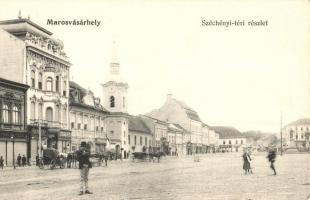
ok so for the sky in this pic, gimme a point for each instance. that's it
(232, 76)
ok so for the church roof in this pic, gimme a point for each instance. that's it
(226, 132)
(137, 124)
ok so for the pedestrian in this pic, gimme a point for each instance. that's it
(83, 155)
(246, 162)
(24, 161)
(69, 160)
(272, 158)
(37, 160)
(1, 162)
(19, 158)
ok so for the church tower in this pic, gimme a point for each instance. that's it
(115, 88)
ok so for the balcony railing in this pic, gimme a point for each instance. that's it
(46, 123)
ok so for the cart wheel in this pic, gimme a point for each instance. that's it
(52, 164)
(41, 164)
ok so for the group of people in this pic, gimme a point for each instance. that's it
(247, 161)
(21, 161)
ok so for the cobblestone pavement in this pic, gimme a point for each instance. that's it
(216, 176)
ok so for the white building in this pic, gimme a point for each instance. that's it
(296, 134)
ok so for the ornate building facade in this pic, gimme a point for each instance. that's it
(87, 120)
(14, 139)
(38, 60)
(297, 134)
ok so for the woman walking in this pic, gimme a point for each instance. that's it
(246, 162)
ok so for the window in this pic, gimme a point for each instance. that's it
(49, 114)
(64, 115)
(135, 140)
(57, 116)
(85, 126)
(112, 101)
(64, 91)
(5, 113)
(101, 129)
(128, 139)
(15, 115)
(72, 125)
(33, 80)
(40, 81)
(57, 83)
(296, 136)
(140, 140)
(97, 128)
(49, 84)
(224, 142)
(32, 110)
(40, 111)
(291, 134)
(79, 126)
(145, 142)
(229, 142)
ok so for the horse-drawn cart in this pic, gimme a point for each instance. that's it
(52, 159)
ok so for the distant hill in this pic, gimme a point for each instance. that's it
(261, 138)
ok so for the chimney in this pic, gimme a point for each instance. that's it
(169, 97)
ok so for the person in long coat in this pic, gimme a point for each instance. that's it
(246, 162)
(272, 159)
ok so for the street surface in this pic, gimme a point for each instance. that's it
(216, 176)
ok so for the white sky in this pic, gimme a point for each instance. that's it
(237, 76)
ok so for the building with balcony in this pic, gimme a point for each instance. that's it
(32, 56)
(87, 119)
(14, 138)
(296, 134)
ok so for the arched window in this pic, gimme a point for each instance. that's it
(15, 115)
(49, 84)
(57, 113)
(112, 101)
(32, 110)
(49, 114)
(40, 79)
(40, 111)
(291, 134)
(33, 80)
(57, 83)
(5, 113)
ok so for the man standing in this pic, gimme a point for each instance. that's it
(272, 158)
(19, 158)
(24, 161)
(84, 164)
(1, 162)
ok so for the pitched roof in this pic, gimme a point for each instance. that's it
(137, 124)
(227, 132)
(303, 121)
(191, 113)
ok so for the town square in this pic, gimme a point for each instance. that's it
(111, 100)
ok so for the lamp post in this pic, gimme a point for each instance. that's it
(281, 134)
(12, 137)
